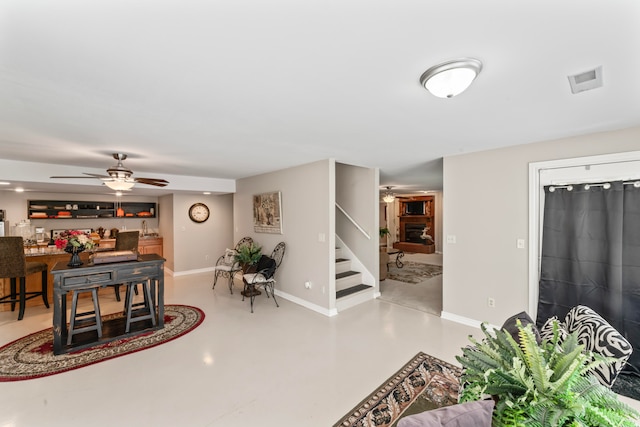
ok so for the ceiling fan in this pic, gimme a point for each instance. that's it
(119, 177)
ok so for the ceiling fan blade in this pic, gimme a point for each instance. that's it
(95, 175)
(120, 173)
(152, 181)
(92, 177)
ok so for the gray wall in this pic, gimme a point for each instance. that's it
(486, 208)
(197, 246)
(188, 247)
(166, 230)
(15, 205)
(357, 193)
(307, 207)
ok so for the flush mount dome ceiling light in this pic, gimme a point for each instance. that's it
(451, 78)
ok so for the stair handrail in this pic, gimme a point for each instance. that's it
(353, 221)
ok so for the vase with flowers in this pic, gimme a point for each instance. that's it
(74, 242)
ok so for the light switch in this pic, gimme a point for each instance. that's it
(520, 243)
(451, 238)
(321, 237)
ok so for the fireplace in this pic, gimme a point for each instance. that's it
(412, 233)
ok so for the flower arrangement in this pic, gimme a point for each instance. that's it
(74, 241)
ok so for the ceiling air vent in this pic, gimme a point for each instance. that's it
(586, 81)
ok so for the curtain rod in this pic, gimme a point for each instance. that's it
(605, 185)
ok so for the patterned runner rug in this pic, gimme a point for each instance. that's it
(32, 356)
(424, 383)
(413, 272)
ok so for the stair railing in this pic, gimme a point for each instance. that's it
(353, 221)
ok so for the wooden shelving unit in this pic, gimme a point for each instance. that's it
(65, 209)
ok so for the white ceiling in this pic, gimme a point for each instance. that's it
(230, 89)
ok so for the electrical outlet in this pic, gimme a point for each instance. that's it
(206, 257)
(307, 285)
(491, 302)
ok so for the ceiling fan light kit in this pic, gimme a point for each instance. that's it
(451, 78)
(120, 185)
(120, 178)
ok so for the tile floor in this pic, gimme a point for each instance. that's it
(284, 366)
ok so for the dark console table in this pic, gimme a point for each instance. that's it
(66, 279)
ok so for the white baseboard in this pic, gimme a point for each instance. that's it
(188, 272)
(460, 319)
(464, 320)
(307, 304)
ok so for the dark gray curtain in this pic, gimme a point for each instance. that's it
(591, 256)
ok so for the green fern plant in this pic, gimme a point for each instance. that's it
(540, 385)
(248, 254)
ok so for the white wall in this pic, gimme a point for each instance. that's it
(307, 205)
(486, 208)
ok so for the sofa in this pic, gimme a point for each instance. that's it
(597, 336)
(593, 331)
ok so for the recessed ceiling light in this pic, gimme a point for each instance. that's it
(19, 190)
(5, 183)
(206, 193)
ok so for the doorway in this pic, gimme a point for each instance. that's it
(415, 282)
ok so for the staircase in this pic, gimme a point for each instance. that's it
(350, 290)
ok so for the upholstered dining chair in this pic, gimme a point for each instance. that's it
(126, 241)
(227, 266)
(264, 277)
(13, 266)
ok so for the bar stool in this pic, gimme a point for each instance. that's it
(147, 307)
(91, 319)
(126, 241)
(14, 265)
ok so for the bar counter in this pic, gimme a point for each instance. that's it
(50, 256)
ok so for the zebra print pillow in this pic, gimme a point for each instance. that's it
(546, 332)
(601, 338)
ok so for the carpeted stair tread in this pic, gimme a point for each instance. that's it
(346, 274)
(352, 290)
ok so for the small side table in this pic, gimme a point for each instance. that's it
(399, 254)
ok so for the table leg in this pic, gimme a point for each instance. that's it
(160, 282)
(59, 319)
(399, 263)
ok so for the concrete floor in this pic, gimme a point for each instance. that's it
(286, 366)
(424, 296)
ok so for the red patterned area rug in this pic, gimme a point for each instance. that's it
(424, 383)
(32, 356)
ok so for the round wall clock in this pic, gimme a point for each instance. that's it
(199, 212)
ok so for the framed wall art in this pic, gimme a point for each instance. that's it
(267, 213)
